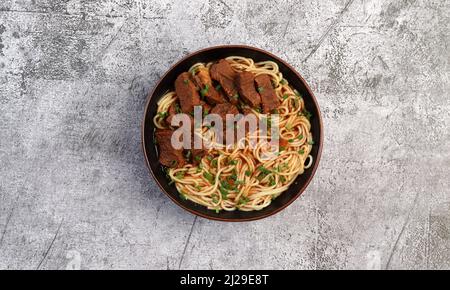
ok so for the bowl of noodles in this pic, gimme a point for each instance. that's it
(232, 176)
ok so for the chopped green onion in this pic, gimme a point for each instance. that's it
(233, 162)
(204, 91)
(243, 200)
(248, 173)
(223, 192)
(311, 142)
(214, 162)
(208, 176)
(197, 158)
(283, 82)
(285, 96)
(174, 163)
(218, 87)
(301, 151)
(180, 175)
(264, 170)
(177, 108)
(186, 81)
(307, 114)
(260, 89)
(163, 114)
(291, 140)
(272, 181)
(215, 198)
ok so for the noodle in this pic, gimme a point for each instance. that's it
(240, 178)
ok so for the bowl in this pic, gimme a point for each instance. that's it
(166, 83)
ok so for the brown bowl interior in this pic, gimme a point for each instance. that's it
(211, 54)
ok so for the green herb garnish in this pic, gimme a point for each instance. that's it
(260, 89)
(271, 181)
(183, 195)
(243, 200)
(180, 175)
(204, 91)
(223, 192)
(208, 176)
(264, 170)
(248, 173)
(186, 81)
(163, 114)
(218, 87)
(307, 114)
(177, 108)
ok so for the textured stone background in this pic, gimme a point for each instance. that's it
(74, 190)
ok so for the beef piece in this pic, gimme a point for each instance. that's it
(225, 75)
(223, 109)
(168, 156)
(246, 86)
(207, 88)
(269, 98)
(187, 93)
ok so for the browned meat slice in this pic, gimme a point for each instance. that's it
(187, 93)
(223, 109)
(269, 98)
(225, 75)
(168, 156)
(246, 86)
(207, 89)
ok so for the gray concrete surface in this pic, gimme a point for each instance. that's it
(74, 190)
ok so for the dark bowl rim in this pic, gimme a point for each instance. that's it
(258, 50)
